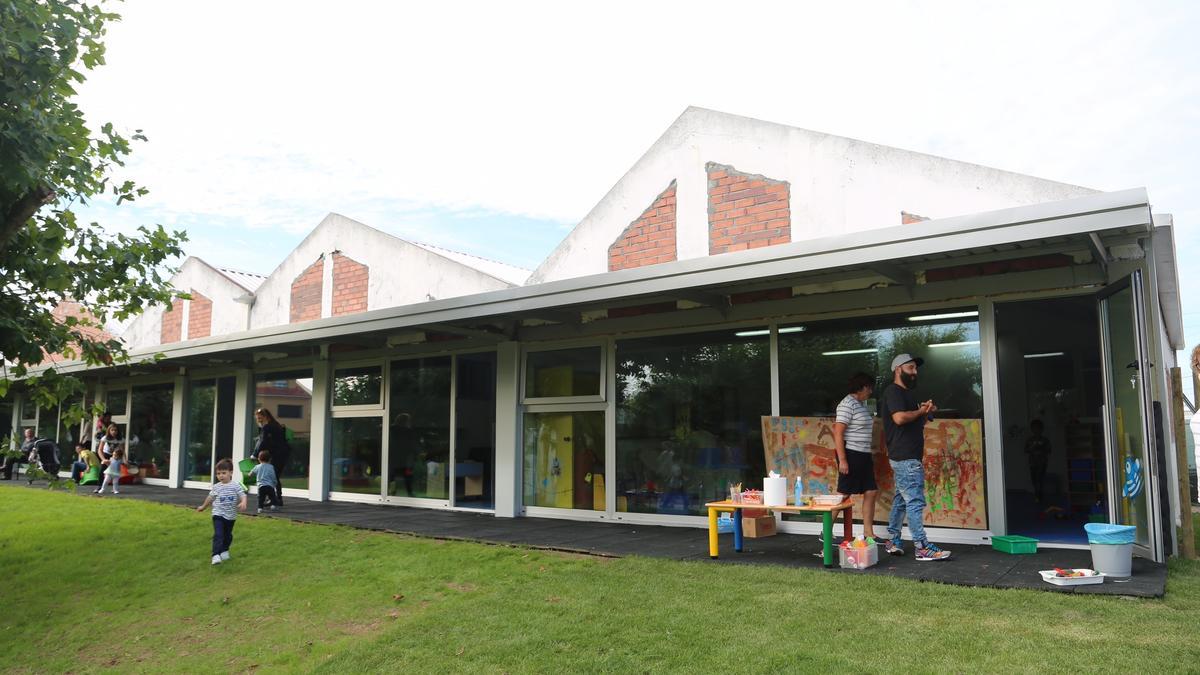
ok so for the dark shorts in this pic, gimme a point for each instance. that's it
(861, 477)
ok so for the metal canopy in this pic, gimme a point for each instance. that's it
(890, 253)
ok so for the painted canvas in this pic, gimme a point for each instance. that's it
(803, 447)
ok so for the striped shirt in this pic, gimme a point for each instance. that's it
(857, 419)
(225, 498)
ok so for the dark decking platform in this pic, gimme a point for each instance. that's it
(969, 566)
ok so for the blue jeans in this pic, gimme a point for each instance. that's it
(222, 534)
(910, 499)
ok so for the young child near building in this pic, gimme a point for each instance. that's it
(226, 498)
(268, 482)
(113, 473)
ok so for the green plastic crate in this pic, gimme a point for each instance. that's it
(1015, 544)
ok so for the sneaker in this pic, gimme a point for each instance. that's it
(96, 491)
(274, 508)
(931, 552)
(116, 492)
(258, 511)
(224, 556)
(216, 560)
(893, 547)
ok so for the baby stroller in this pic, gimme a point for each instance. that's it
(45, 455)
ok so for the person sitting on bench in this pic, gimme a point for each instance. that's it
(11, 462)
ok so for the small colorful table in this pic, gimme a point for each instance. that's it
(827, 514)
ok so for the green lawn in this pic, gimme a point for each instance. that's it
(113, 584)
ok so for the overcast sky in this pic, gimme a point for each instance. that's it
(493, 128)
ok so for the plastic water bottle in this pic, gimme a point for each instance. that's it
(799, 499)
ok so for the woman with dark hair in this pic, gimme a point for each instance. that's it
(852, 430)
(273, 439)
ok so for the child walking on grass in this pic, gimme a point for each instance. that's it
(226, 498)
(113, 472)
(268, 482)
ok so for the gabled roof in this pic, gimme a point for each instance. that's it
(247, 280)
(502, 271)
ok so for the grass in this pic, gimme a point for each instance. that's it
(106, 584)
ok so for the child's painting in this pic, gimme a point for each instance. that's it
(803, 447)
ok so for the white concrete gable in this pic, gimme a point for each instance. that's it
(838, 186)
(229, 315)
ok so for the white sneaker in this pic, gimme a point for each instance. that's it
(224, 556)
(216, 560)
(274, 508)
(258, 511)
(116, 492)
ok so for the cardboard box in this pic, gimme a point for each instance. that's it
(762, 526)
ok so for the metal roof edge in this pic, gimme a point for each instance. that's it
(1120, 209)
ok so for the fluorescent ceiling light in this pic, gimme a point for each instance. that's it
(1044, 355)
(952, 315)
(850, 351)
(966, 343)
(752, 333)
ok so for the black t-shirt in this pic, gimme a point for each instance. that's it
(904, 441)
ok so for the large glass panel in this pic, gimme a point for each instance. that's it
(68, 434)
(357, 386)
(688, 418)
(564, 460)
(1126, 421)
(357, 455)
(420, 428)
(289, 398)
(47, 426)
(201, 413)
(563, 372)
(150, 430)
(6, 415)
(475, 435)
(115, 401)
(816, 361)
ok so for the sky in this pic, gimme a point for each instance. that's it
(493, 128)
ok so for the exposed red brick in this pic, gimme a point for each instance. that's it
(306, 293)
(349, 285)
(648, 240)
(172, 323)
(70, 308)
(639, 310)
(199, 316)
(746, 211)
(1041, 262)
(907, 218)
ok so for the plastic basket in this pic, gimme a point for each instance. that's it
(246, 466)
(1015, 544)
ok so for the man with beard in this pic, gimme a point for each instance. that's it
(904, 434)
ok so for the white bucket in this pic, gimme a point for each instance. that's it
(1114, 560)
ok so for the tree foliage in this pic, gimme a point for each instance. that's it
(51, 162)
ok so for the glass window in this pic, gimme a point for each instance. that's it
(688, 418)
(475, 435)
(357, 386)
(563, 372)
(150, 430)
(289, 398)
(115, 401)
(201, 414)
(47, 425)
(815, 364)
(564, 460)
(69, 434)
(420, 428)
(357, 453)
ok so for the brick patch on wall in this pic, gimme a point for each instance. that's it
(746, 211)
(907, 218)
(199, 316)
(648, 240)
(306, 293)
(349, 285)
(172, 323)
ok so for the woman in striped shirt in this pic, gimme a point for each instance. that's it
(852, 437)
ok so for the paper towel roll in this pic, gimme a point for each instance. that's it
(775, 491)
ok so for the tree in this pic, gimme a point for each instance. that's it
(52, 162)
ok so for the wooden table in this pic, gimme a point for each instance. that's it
(827, 513)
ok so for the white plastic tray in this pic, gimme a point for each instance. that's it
(1093, 577)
